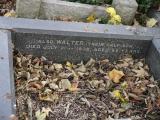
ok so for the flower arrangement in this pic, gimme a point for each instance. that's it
(113, 17)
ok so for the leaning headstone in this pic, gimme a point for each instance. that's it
(28, 8)
(126, 9)
(53, 9)
(6, 77)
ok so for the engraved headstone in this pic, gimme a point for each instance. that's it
(75, 48)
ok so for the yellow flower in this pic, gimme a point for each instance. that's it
(111, 11)
(91, 18)
(117, 94)
(117, 18)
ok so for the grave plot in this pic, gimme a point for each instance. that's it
(118, 77)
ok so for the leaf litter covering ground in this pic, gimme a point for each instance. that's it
(96, 90)
(6, 6)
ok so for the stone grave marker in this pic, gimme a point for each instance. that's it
(60, 42)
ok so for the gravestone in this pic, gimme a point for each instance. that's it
(53, 9)
(59, 42)
(126, 9)
(28, 8)
(61, 47)
(6, 77)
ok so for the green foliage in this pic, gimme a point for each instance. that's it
(103, 20)
(145, 5)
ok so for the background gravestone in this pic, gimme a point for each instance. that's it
(28, 8)
(126, 9)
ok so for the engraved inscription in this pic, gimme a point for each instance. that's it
(86, 46)
(76, 48)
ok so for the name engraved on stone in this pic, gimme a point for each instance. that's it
(82, 46)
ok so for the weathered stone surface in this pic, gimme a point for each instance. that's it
(94, 30)
(76, 47)
(28, 8)
(6, 76)
(153, 58)
(51, 9)
(126, 9)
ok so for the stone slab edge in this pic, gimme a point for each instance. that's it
(153, 58)
(81, 28)
(7, 96)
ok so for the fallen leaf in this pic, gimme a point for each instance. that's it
(68, 64)
(82, 69)
(151, 22)
(58, 67)
(116, 75)
(141, 72)
(36, 85)
(46, 110)
(135, 97)
(158, 102)
(74, 86)
(86, 101)
(49, 97)
(11, 13)
(65, 84)
(53, 86)
(90, 62)
(42, 114)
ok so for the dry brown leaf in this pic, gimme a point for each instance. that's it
(41, 115)
(116, 75)
(49, 97)
(46, 110)
(158, 101)
(141, 72)
(74, 86)
(65, 84)
(135, 97)
(36, 85)
(11, 13)
(137, 91)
